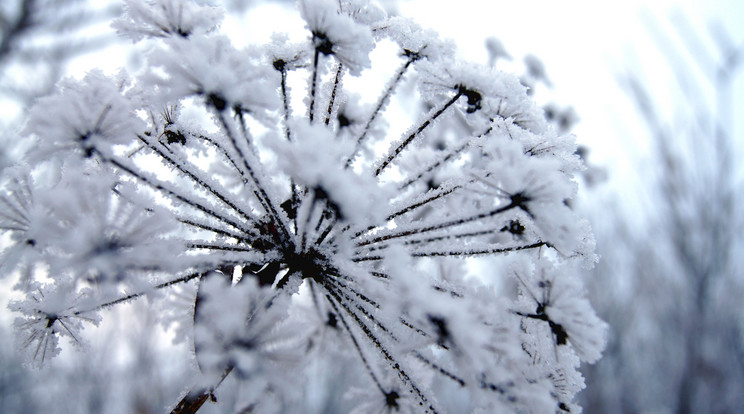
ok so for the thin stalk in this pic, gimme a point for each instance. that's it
(194, 399)
(477, 252)
(355, 342)
(448, 236)
(16, 210)
(213, 229)
(227, 155)
(261, 194)
(313, 84)
(332, 100)
(127, 298)
(378, 108)
(439, 369)
(329, 227)
(413, 328)
(160, 186)
(304, 232)
(182, 167)
(340, 285)
(388, 356)
(349, 301)
(400, 147)
(285, 104)
(246, 133)
(461, 252)
(224, 247)
(439, 193)
(436, 195)
(438, 226)
(450, 155)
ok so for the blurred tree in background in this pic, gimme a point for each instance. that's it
(670, 280)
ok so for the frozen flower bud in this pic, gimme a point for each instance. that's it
(363, 11)
(554, 296)
(102, 237)
(536, 69)
(237, 326)
(84, 115)
(20, 217)
(317, 160)
(285, 56)
(47, 315)
(415, 41)
(496, 50)
(338, 35)
(211, 67)
(147, 18)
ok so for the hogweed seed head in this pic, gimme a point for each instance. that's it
(300, 205)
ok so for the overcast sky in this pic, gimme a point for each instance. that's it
(584, 45)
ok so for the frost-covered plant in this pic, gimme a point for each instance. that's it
(303, 224)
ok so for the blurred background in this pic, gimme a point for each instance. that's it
(654, 92)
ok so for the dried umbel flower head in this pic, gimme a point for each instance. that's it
(202, 168)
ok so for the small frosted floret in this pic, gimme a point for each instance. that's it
(166, 18)
(571, 309)
(554, 296)
(238, 326)
(101, 236)
(210, 66)
(316, 159)
(539, 190)
(489, 93)
(337, 35)
(363, 11)
(285, 56)
(19, 216)
(84, 116)
(417, 42)
(48, 315)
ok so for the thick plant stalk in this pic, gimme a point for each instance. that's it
(195, 399)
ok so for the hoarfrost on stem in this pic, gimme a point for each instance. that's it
(271, 208)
